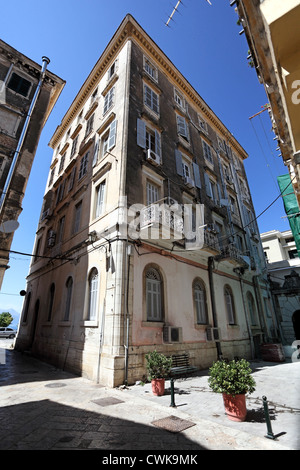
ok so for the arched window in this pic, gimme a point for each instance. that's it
(200, 302)
(229, 302)
(26, 309)
(252, 309)
(69, 287)
(153, 295)
(93, 294)
(51, 300)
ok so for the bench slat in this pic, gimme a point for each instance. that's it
(181, 364)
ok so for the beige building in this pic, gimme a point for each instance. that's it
(28, 92)
(272, 31)
(283, 265)
(148, 227)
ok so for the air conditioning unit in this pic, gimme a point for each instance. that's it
(213, 334)
(171, 334)
(189, 182)
(51, 238)
(152, 157)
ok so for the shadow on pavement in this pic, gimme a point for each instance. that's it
(47, 425)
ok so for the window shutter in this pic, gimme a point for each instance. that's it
(181, 126)
(112, 134)
(95, 157)
(141, 133)
(72, 178)
(178, 158)
(207, 185)
(157, 143)
(197, 175)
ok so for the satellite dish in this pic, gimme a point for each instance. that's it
(9, 226)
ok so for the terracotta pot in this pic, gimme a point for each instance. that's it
(158, 386)
(235, 406)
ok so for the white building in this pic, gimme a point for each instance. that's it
(283, 266)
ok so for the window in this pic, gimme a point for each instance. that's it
(26, 309)
(83, 165)
(207, 152)
(111, 71)
(229, 303)
(202, 124)
(51, 301)
(62, 162)
(37, 249)
(71, 179)
(220, 233)
(89, 125)
(51, 176)
(148, 138)
(109, 100)
(61, 227)
(93, 294)
(77, 217)
(69, 287)
(233, 205)
(19, 84)
(108, 141)
(252, 310)
(151, 99)
(100, 192)
(153, 295)
(186, 168)
(152, 193)
(60, 192)
(212, 189)
(74, 146)
(293, 254)
(200, 302)
(179, 99)
(150, 69)
(182, 127)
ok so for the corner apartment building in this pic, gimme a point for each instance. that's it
(28, 92)
(283, 265)
(122, 276)
(271, 28)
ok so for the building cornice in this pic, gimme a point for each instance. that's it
(131, 30)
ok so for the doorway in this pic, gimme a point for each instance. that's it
(296, 323)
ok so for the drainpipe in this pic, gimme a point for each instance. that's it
(46, 61)
(210, 266)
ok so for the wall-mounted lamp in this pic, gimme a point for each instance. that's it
(92, 236)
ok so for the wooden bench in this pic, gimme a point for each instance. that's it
(181, 365)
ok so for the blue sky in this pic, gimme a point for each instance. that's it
(203, 42)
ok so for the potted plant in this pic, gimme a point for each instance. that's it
(233, 379)
(158, 368)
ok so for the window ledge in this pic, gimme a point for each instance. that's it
(89, 323)
(153, 324)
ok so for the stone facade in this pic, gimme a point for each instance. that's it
(138, 144)
(19, 80)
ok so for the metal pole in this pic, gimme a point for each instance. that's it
(270, 434)
(172, 394)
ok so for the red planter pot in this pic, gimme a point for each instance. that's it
(158, 386)
(235, 406)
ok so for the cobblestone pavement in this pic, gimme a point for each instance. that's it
(43, 408)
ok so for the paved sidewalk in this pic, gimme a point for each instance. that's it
(45, 408)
